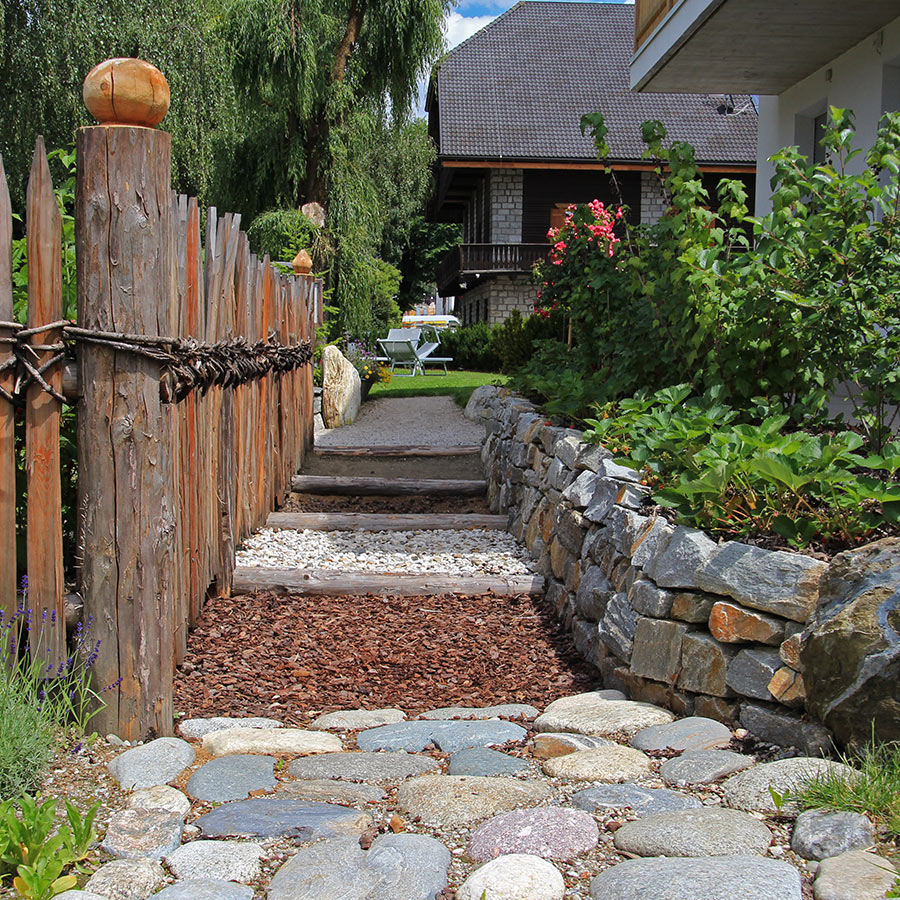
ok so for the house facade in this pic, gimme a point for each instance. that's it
(504, 109)
(800, 57)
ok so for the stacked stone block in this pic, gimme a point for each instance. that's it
(506, 206)
(665, 613)
(653, 199)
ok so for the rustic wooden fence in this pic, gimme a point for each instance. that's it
(194, 408)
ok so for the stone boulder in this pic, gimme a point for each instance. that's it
(851, 660)
(341, 389)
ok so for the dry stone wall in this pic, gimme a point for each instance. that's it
(665, 612)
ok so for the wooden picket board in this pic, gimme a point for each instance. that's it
(46, 591)
(7, 410)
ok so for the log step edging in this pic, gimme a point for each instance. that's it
(330, 521)
(323, 582)
(391, 450)
(353, 485)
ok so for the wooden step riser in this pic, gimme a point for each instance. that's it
(385, 521)
(322, 583)
(360, 486)
(390, 451)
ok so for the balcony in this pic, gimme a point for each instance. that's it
(745, 46)
(486, 259)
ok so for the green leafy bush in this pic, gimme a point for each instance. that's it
(739, 479)
(282, 233)
(472, 347)
(514, 340)
(792, 305)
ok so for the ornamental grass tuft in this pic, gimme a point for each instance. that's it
(875, 791)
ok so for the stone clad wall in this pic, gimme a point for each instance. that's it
(664, 612)
(653, 200)
(502, 293)
(506, 206)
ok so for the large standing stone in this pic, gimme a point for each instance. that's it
(750, 672)
(195, 729)
(851, 659)
(408, 866)
(341, 389)
(354, 719)
(703, 766)
(732, 624)
(461, 799)
(327, 790)
(643, 801)
(270, 741)
(691, 733)
(550, 832)
(226, 860)
(710, 878)
(381, 768)
(505, 710)
(134, 833)
(205, 889)
(704, 664)
(750, 789)
(786, 584)
(678, 566)
(657, 649)
(232, 778)
(270, 817)
(854, 875)
(591, 713)
(126, 879)
(481, 761)
(154, 763)
(707, 831)
(609, 764)
(517, 876)
(447, 736)
(822, 833)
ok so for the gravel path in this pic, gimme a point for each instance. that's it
(405, 421)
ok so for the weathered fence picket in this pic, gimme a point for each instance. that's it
(45, 597)
(7, 409)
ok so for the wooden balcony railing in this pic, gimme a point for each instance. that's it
(483, 259)
(647, 15)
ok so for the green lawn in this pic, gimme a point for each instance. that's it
(458, 385)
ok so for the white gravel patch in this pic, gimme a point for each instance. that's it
(470, 552)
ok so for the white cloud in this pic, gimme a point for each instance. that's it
(458, 27)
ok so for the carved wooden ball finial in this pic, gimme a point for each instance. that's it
(126, 92)
(302, 263)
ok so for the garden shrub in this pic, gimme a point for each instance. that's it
(282, 233)
(471, 347)
(514, 340)
(791, 305)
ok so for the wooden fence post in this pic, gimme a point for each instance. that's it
(7, 410)
(127, 490)
(46, 594)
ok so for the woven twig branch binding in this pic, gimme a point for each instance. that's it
(186, 364)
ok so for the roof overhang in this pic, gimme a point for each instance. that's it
(584, 165)
(750, 46)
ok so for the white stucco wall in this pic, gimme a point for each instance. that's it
(865, 79)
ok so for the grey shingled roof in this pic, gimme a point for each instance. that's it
(517, 90)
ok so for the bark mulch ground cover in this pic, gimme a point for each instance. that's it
(296, 502)
(293, 657)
